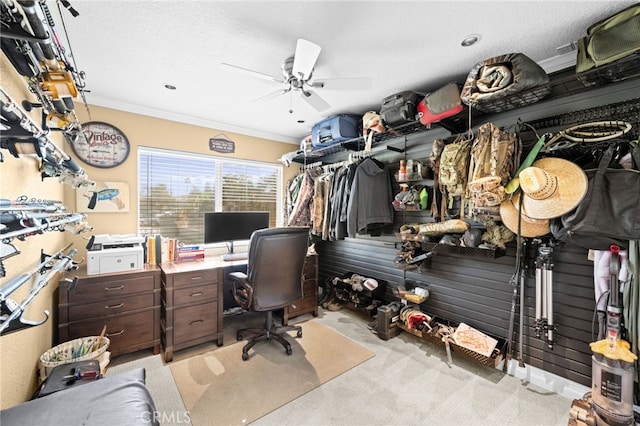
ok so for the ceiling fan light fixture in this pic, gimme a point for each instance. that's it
(297, 71)
(470, 40)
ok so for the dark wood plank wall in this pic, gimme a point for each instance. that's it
(478, 291)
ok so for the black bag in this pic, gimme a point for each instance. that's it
(400, 108)
(610, 211)
(65, 375)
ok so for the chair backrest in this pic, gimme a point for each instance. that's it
(275, 266)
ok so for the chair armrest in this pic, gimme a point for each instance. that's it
(242, 290)
(240, 276)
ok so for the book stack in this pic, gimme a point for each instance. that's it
(189, 252)
(160, 249)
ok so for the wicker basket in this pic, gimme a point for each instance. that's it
(71, 351)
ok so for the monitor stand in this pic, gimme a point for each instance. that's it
(233, 256)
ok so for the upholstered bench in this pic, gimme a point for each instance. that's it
(122, 399)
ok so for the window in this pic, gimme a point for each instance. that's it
(176, 189)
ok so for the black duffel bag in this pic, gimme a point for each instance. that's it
(400, 108)
(610, 211)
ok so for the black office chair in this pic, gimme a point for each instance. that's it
(273, 280)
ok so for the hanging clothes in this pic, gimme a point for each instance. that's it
(326, 219)
(301, 214)
(341, 190)
(292, 191)
(371, 197)
(319, 203)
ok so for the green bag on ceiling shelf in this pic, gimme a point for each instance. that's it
(611, 39)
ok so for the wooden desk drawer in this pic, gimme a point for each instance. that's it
(310, 267)
(89, 290)
(123, 331)
(195, 321)
(201, 293)
(310, 299)
(110, 306)
(195, 277)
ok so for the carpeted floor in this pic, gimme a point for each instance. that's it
(407, 382)
(220, 385)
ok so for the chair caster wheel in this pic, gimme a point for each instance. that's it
(289, 351)
(299, 333)
(245, 356)
(238, 337)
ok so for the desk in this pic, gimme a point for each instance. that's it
(193, 300)
(192, 303)
(128, 303)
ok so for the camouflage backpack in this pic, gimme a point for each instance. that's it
(453, 172)
(492, 162)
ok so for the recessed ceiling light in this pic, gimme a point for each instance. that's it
(170, 87)
(470, 40)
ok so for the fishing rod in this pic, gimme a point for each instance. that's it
(50, 225)
(17, 282)
(34, 48)
(12, 311)
(513, 281)
(522, 271)
(21, 204)
(21, 136)
(73, 222)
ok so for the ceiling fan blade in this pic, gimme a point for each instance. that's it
(305, 58)
(356, 83)
(254, 73)
(313, 99)
(271, 95)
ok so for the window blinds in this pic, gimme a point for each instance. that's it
(176, 188)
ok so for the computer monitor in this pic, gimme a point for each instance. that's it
(227, 227)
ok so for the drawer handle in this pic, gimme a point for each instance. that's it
(196, 322)
(199, 277)
(120, 287)
(196, 294)
(119, 305)
(115, 334)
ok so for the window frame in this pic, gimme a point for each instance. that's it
(219, 162)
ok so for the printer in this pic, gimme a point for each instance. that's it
(114, 253)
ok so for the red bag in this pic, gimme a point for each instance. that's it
(444, 102)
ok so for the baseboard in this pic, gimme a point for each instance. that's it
(546, 380)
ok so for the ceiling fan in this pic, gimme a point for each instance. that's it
(297, 71)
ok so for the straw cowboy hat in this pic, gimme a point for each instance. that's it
(552, 187)
(529, 228)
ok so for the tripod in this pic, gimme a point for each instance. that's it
(544, 325)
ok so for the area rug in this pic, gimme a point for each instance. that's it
(219, 388)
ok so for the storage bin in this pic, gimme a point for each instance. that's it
(72, 351)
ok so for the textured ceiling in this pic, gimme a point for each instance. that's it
(130, 49)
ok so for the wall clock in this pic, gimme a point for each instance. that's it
(101, 144)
